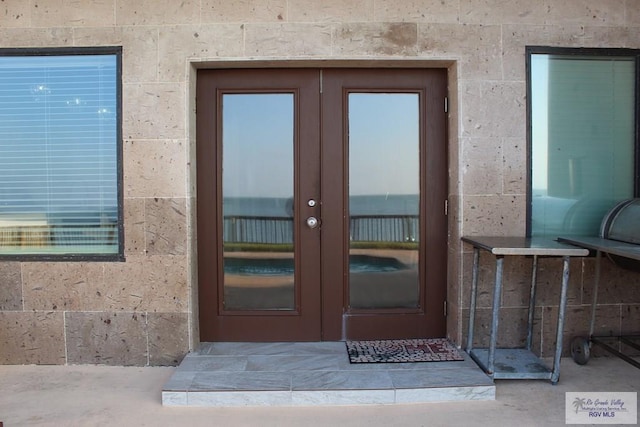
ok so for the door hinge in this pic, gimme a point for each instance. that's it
(446, 207)
(446, 104)
(445, 308)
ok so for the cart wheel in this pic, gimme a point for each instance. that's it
(580, 350)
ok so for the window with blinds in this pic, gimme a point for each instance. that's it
(60, 145)
(583, 106)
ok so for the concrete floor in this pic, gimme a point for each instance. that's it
(130, 396)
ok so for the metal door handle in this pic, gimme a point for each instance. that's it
(312, 222)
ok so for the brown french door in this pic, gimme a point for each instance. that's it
(321, 198)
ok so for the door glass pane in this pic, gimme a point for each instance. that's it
(257, 187)
(582, 140)
(384, 195)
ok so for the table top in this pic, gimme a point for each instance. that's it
(513, 245)
(627, 250)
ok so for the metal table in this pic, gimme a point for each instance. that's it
(517, 363)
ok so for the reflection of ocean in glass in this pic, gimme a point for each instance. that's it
(392, 204)
(284, 266)
(257, 206)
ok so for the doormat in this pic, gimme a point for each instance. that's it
(403, 351)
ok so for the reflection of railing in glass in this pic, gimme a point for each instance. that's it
(78, 231)
(384, 228)
(257, 229)
(51, 236)
(276, 230)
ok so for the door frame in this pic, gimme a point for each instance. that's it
(332, 321)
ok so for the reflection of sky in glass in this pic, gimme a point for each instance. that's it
(58, 133)
(257, 145)
(383, 143)
(539, 119)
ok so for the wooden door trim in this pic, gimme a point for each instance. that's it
(215, 323)
(338, 322)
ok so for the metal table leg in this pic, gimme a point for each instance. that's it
(497, 293)
(555, 374)
(592, 323)
(474, 294)
(532, 302)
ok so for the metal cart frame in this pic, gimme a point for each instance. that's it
(581, 346)
(517, 363)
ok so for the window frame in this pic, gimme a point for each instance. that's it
(78, 51)
(584, 52)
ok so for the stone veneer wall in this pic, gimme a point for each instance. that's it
(144, 311)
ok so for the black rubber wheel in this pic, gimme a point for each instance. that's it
(580, 350)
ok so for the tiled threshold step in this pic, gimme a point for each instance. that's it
(312, 374)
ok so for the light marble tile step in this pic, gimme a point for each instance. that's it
(294, 374)
(327, 397)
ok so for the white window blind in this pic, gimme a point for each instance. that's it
(59, 154)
